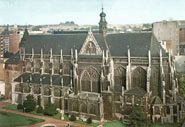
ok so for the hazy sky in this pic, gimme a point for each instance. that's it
(87, 11)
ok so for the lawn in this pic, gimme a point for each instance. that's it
(57, 116)
(11, 120)
(113, 124)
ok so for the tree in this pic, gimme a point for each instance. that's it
(29, 104)
(50, 109)
(39, 109)
(137, 117)
(72, 118)
(19, 106)
(89, 120)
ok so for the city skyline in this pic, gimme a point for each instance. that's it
(87, 12)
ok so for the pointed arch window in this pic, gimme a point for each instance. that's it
(139, 78)
(120, 78)
(90, 80)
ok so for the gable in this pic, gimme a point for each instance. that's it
(90, 46)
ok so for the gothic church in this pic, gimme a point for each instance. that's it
(100, 75)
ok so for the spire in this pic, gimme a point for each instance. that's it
(103, 22)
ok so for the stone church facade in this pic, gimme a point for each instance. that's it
(100, 75)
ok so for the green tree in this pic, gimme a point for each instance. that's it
(89, 120)
(50, 109)
(137, 117)
(39, 109)
(72, 118)
(19, 106)
(29, 104)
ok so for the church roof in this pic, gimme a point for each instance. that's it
(156, 100)
(139, 43)
(136, 91)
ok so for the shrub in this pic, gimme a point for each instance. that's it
(19, 106)
(50, 110)
(89, 120)
(39, 109)
(29, 104)
(137, 117)
(72, 118)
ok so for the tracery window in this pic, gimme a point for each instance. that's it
(120, 78)
(90, 80)
(139, 78)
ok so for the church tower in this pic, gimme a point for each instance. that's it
(102, 23)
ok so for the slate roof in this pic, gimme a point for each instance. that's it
(56, 79)
(156, 100)
(180, 100)
(84, 95)
(136, 91)
(14, 59)
(58, 42)
(139, 43)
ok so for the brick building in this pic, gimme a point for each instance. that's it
(14, 40)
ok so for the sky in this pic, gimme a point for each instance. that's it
(36, 12)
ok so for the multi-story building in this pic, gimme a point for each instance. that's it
(99, 75)
(1, 46)
(170, 33)
(6, 43)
